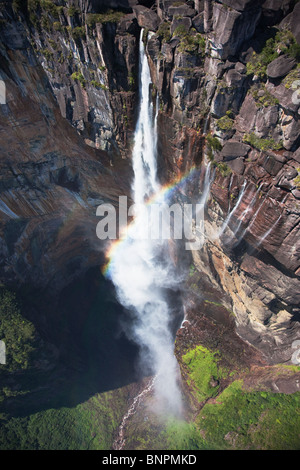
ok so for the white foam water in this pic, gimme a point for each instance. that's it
(142, 270)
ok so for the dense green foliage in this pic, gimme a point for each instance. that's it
(110, 16)
(78, 76)
(78, 33)
(180, 435)
(89, 425)
(282, 43)
(203, 369)
(164, 31)
(262, 144)
(17, 333)
(213, 143)
(225, 123)
(251, 420)
(242, 420)
(263, 97)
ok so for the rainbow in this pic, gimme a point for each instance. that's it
(165, 192)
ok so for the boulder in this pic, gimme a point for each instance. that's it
(231, 29)
(273, 11)
(296, 155)
(241, 68)
(208, 16)
(185, 23)
(146, 18)
(271, 165)
(266, 121)
(284, 96)
(296, 193)
(128, 24)
(181, 10)
(237, 165)
(198, 23)
(281, 66)
(234, 78)
(292, 22)
(233, 149)
(290, 131)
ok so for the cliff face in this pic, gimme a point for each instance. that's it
(226, 74)
(51, 181)
(239, 88)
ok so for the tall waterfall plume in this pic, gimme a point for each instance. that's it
(141, 269)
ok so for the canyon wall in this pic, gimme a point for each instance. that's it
(226, 75)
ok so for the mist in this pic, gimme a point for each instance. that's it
(141, 269)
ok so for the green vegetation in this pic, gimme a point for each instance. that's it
(73, 11)
(78, 33)
(262, 144)
(164, 31)
(251, 420)
(284, 42)
(78, 76)
(190, 41)
(297, 179)
(239, 420)
(224, 169)
(180, 435)
(17, 332)
(225, 123)
(213, 143)
(294, 75)
(110, 16)
(145, 35)
(57, 26)
(263, 97)
(47, 54)
(97, 84)
(192, 270)
(50, 7)
(88, 426)
(204, 372)
(19, 6)
(131, 81)
(181, 31)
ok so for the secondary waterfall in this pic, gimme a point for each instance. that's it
(141, 269)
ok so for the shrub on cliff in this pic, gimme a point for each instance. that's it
(283, 43)
(78, 76)
(110, 16)
(225, 123)
(164, 31)
(262, 144)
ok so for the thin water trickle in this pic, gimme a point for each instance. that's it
(229, 216)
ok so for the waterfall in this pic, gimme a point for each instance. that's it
(144, 152)
(247, 210)
(261, 240)
(142, 271)
(229, 216)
